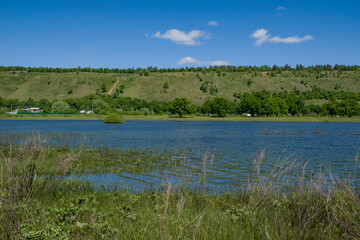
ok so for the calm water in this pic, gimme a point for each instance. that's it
(324, 146)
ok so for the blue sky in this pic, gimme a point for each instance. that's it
(122, 34)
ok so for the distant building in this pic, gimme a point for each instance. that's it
(82, 112)
(36, 110)
(32, 110)
(12, 113)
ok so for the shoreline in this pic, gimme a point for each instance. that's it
(186, 118)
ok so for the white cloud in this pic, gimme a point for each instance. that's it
(280, 8)
(213, 23)
(180, 37)
(262, 36)
(292, 39)
(190, 60)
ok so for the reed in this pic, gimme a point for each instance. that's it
(37, 202)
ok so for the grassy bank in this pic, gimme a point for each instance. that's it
(186, 118)
(52, 207)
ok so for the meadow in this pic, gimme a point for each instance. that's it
(152, 86)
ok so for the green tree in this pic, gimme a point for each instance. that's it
(250, 104)
(206, 107)
(213, 89)
(220, 106)
(165, 86)
(204, 86)
(60, 105)
(180, 106)
(295, 103)
(103, 88)
(100, 106)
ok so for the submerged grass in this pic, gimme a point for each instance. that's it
(35, 203)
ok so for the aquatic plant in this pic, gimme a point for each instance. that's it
(36, 203)
(113, 119)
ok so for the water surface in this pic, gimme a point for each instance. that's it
(230, 146)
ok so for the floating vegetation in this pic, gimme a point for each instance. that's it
(113, 119)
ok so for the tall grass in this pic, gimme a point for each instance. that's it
(22, 179)
(36, 203)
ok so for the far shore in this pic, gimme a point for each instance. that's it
(228, 118)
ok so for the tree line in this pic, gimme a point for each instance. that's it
(261, 103)
(229, 68)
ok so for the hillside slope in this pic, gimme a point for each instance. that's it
(163, 86)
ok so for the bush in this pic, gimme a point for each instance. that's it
(99, 105)
(60, 105)
(145, 111)
(180, 106)
(3, 110)
(113, 119)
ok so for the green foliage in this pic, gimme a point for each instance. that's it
(221, 106)
(3, 110)
(60, 105)
(113, 118)
(324, 69)
(165, 86)
(206, 106)
(103, 88)
(348, 107)
(180, 106)
(218, 106)
(337, 86)
(30, 82)
(204, 86)
(145, 111)
(209, 86)
(37, 207)
(120, 89)
(213, 90)
(262, 103)
(100, 106)
(249, 83)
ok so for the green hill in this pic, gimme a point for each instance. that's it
(165, 86)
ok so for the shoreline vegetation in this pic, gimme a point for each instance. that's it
(216, 91)
(44, 194)
(228, 118)
(56, 207)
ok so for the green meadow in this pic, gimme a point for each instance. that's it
(42, 85)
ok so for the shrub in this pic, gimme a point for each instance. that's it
(100, 105)
(60, 105)
(145, 111)
(113, 119)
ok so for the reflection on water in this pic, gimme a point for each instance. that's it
(231, 146)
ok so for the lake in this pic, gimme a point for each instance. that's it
(230, 146)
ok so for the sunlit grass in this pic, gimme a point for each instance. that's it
(37, 202)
